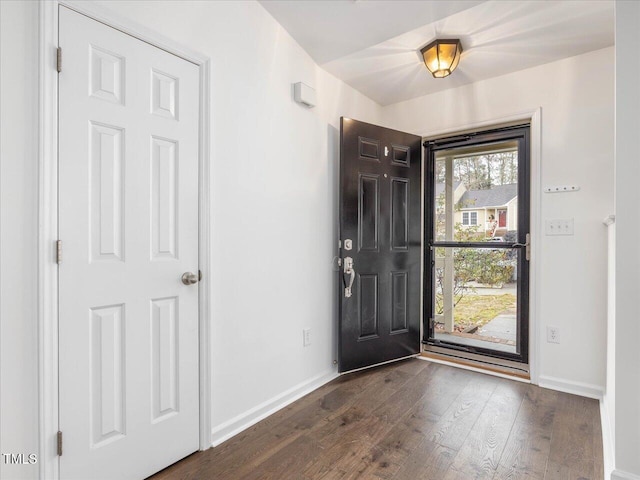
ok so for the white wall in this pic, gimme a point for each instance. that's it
(18, 234)
(627, 234)
(576, 96)
(274, 167)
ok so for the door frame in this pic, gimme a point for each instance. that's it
(519, 134)
(48, 213)
(534, 118)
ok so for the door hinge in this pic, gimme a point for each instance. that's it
(59, 59)
(59, 441)
(58, 252)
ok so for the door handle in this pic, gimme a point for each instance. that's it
(349, 270)
(526, 245)
(189, 278)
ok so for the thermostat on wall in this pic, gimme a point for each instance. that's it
(304, 94)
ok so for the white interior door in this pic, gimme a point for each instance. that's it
(128, 165)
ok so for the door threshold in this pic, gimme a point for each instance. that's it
(479, 363)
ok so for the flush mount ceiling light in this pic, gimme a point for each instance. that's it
(442, 57)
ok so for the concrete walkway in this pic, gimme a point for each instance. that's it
(502, 328)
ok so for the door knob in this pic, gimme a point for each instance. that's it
(189, 278)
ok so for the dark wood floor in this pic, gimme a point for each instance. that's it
(414, 420)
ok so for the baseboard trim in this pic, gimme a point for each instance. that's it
(568, 386)
(620, 475)
(241, 422)
(607, 439)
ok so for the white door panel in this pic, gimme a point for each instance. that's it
(128, 164)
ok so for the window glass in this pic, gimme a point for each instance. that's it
(475, 193)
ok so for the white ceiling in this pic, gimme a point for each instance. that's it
(373, 45)
(330, 29)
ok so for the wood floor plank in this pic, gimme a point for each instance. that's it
(458, 420)
(441, 388)
(377, 394)
(445, 385)
(401, 402)
(598, 449)
(538, 406)
(336, 408)
(385, 458)
(412, 366)
(364, 425)
(526, 452)
(429, 461)
(559, 471)
(413, 420)
(480, 453)
(244, 451)
(291, 458)
(573, 423)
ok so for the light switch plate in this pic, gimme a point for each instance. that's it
(559, 227)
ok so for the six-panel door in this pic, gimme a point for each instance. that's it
(128, 334)
(380, 232)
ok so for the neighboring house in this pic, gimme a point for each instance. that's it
(475, 208)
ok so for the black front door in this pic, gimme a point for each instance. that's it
(380, 236)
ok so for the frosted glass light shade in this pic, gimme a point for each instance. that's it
(442, 57)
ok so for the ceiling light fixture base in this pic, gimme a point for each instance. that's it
(442, 56)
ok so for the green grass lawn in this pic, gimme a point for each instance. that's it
(481, 309)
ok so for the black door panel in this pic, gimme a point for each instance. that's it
(380, 215)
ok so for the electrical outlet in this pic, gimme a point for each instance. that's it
(306, 337)
(559, 227)
(553, 334)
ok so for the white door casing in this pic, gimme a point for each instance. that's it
(128, 220)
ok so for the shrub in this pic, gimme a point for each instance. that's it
(489, 266)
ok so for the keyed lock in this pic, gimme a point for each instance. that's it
(189, 278)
